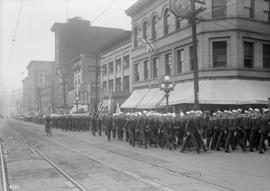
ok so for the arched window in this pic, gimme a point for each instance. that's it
(135, 37)
(145, 30)
(154, 27)
(177, 23)
(166, 18)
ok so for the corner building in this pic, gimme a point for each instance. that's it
(233, 54)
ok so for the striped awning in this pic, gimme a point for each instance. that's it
(151, 100)
(135, 97)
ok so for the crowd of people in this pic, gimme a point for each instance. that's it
(247, 130)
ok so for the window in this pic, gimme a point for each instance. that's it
(104, 86)
(248, 54)
(168, 64)
(145, 69)
(177, 23)
(180, 60)
(166, 21)
(118, 84)
(268, 11)
(155, 67)
(191, 59)
(110, 67)
(154, 28)
(126, 62)
(118, 65)
(252, 9)
(104, 69)
(266, 56)
(145, 30)
(137, 76)
(110, 86)
(135, 33)
(219, 9)
(126, 83)
(219, 54)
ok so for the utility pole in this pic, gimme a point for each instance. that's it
(64, 90)
(187, 10)
(195, 55)
(96, 89)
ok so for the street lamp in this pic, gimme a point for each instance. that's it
(77, 102)
(167, 86)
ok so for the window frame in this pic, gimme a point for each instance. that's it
(145, 28)
(126, 85)
(111, 69)
(266, 56)
(136, 72)
(166, 23)
(219, 7)
(212, 49)
(118, 63)
(135, 36)
(153, 28)
(168, 63)
(145, 69)
(252, 56)
(156, 61)
(118, 85)
(182, 60)
(126, 58)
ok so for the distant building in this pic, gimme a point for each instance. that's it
(84, 69)
(72, 39)
(39, 78)
(115, 72)
(233, 54)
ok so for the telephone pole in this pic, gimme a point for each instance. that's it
(195, 55)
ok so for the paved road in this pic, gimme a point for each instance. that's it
(99, 165)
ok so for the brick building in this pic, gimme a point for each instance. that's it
(73, 38)
(115, 75)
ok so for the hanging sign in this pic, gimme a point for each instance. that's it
(180, 8)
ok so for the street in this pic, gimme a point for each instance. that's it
(96, 164)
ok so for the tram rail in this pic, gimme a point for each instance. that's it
(53, 164)
(4, 172)
(145, 162)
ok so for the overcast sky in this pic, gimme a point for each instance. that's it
(35, 41)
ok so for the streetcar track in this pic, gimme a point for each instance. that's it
(53, 164)
(141, 179)
(4, 172)
(172, 172)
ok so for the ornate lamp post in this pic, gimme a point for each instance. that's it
(77, 102)
(167, 86)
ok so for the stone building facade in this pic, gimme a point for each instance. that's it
(233, 53)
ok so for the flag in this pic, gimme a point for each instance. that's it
(101, 110)
(150, 47)
(118, 110)
(110, 102)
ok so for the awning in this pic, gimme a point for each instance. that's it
(151, 100)
(135, 97)
(233, 91)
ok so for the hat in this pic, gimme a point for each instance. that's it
(256, 110)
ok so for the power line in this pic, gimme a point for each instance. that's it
(67, 9)
(104, 11)
(15, 34)
(17, 22)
